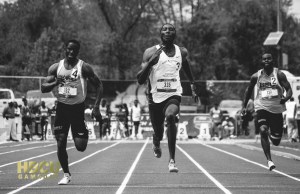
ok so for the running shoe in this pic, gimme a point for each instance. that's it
(156, 151)
(65, 180)
(271, 165)
(172, 166)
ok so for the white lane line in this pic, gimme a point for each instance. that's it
(38, 156)
(50, 174)
(215, 181)
(125, 181)
(250, 161)
(23, 143)
(31, 148)
(274, 152)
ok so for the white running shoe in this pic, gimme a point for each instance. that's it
(172, 166)
(65, 180)
(271, 165)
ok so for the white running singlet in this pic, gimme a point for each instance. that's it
(75, 88)
(269, 92)
(164, 77)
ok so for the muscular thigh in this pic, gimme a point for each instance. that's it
(157, 116)
(78, 125)
(276, 125)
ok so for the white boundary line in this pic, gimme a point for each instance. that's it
(31, 148)
(125, 181)
(215, 181)
(250, 161)
(38, 156)
(50, 174)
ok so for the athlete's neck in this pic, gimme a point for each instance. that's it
(70, 63)
(268, 70)
(168, 45)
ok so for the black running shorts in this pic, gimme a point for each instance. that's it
(70, 115)
(273, 121)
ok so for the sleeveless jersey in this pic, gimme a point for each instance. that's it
(103, 111)
(75, 88)
(164, 77)
(44, 111)
(269, 92)
(215, 114)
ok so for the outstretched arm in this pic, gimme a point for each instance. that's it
(187, 69)
(286, 85)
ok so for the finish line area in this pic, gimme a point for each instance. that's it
(129, 166)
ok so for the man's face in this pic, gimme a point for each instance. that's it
(267, 60)
(72, 51)
(168, 33)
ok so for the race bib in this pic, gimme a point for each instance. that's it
(167, 85)
(269, 93)
(67, 91)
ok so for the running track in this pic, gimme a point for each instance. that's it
(128, 166)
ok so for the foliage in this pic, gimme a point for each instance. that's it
(224, 37)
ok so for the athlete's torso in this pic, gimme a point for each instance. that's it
(269, 93)
(164, 79)
(44, 111)
(75, 88)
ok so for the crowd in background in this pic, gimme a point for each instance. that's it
(34, 120)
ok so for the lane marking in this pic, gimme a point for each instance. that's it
(38, 156)
(250, 161)
(125, 181)
(274, 152)
(71, 164)
(215, 181)
(31, 148)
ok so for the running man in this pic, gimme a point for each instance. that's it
(160, 67)
(69, 77)
(269, 103)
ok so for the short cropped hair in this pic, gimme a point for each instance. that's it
(167, 24)
(73, 41)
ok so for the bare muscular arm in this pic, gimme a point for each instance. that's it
(150, 58)
(88, 73)
(249, 91)
(187, 69)
(51, 79)
(286, 85)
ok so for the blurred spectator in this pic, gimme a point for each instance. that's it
(216, 116)
(291, 110)
(228, 127)
(9, 114)
(104, 128)
(44, 114)
(135, 114)
(248, 117)
(298, 117)
(88, 113)
(18, 117)
(122, 119)
(53, 114)
(26, 120)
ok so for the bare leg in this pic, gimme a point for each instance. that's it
(170, 115)
(62, 151)
(265, 141)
